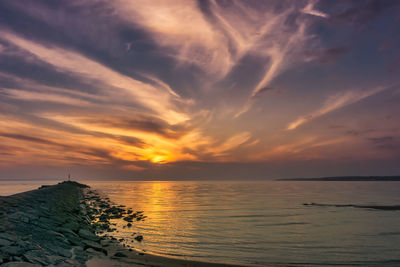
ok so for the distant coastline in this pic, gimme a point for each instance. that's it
(347, 178)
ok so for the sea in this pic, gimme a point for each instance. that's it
(256, 223)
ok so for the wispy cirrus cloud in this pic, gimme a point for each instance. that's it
(136, 84)
(220, 35)
(156, 99)
(43, 97)
(232, 143)
(167, 23)
(309, 9)
(333, 103)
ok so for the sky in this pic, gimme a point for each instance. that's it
(208, 89)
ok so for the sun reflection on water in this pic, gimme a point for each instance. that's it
(244, 222)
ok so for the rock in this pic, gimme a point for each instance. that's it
(95, 246)
(20, 264)
(74, 226)
(83, 209)
(20, 217)
(63, 252)
(27, 237)
(120, 254)
(15, 217)
(56, 259)
(129, 218)
(139, 238)
(9, 237)
(92, 244)
(60, 242)
(88, 235)
(104, 218)
(70, 262)
(15, 258)
(36, 256)
(4, 243)
(54, 234)
(59, 220)
(101, 225)
(94, 252)
(105, 242)
(38, 227)
(41, 225)
(43, 221)
(79, 254)
(26, 245)
(12, 250)
(73, 239)
(64, 230)
(77, 249)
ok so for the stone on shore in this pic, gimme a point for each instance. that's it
(35, 227)
(57, 226)
(8, 237)
(88, 235)
(92, 244)
(12, 251)
(20, 264)
(5, 242)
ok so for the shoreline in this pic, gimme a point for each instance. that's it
(68, 224)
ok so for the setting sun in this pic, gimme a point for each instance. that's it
(199, 133)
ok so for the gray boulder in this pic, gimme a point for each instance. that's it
(88, 235)
(9, 237)
(94, 245)
(36, 256)
(12, 250)
(5, 242)
(20, 264)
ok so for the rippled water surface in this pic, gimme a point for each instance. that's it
(263, 223)
(259, 223)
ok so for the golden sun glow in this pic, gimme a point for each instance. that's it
(180, 85)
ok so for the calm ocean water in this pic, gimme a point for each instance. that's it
(262, 223)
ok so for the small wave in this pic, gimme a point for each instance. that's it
(349, 263)
(262, 215)
(389, 233)
(283, 224)
(376, 207)
(174, 254)
(249, 216)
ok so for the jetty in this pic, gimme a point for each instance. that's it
(68, 224)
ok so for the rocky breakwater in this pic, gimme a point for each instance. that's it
(56, 226)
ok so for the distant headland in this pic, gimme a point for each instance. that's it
(346, 178)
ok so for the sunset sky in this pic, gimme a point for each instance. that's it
(180, 89)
